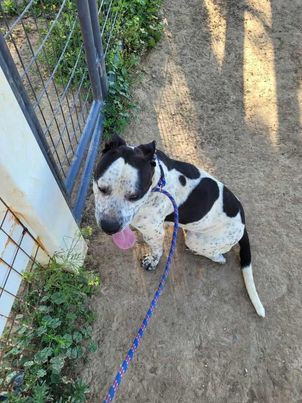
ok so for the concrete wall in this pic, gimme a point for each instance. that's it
(27, 185)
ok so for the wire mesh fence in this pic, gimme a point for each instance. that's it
(58, 97)
(59, 51)
(19, 252)
(108, 17)
(47, 48)
(44, 39)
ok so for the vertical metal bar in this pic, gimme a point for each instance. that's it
(92, 119)
(86, 175)
(98, 45)
(90, 50)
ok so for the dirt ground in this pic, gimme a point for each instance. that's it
(223, 90)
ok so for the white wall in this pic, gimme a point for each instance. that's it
(27, 184)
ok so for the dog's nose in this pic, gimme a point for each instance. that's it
(110, 227)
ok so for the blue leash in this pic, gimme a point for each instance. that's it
(125, 364)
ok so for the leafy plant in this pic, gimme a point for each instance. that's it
(54, 332)
(9, 7)
(137, 30)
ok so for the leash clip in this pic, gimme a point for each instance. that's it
(161, 184)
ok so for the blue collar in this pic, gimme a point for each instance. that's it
(162, 180)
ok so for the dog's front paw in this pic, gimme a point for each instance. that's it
(149, 262)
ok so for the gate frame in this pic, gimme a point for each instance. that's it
(89, 22)
(87, 13)
(28, 185)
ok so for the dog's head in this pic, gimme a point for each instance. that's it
(122, 182)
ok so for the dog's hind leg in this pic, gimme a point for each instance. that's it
(204, 246)
(247, 271)
(219, 259)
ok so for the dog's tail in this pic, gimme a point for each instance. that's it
(247, 271)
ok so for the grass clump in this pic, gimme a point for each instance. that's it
(53, 333)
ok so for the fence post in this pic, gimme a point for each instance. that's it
(98, 45)
(90, 49)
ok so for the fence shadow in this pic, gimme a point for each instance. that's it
(288, 67)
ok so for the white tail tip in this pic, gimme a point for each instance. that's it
(251, 290)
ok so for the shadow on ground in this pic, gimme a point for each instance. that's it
(220, 90)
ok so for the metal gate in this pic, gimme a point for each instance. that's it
(52, 54)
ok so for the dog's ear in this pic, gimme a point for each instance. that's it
(115, 142)
(148, 150)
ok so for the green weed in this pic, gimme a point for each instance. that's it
(53, 333)
(9, 7)
(137, 29)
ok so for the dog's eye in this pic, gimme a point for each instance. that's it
(133, 197)
(103, 190)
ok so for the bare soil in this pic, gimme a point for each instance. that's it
(223, 90)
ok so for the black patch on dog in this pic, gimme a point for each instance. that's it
(139, 157)
(199, 202)
(115, 142)
(182, 180)
(105, 162)
(245, 250)
(188, 170)
(242, 215)
(231, 205)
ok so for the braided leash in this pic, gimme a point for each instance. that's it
(125, 364)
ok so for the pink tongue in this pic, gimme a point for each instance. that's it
(124, 239)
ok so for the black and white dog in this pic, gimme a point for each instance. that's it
(211, 216)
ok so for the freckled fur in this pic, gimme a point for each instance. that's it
(211, 232)
(121, 178)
